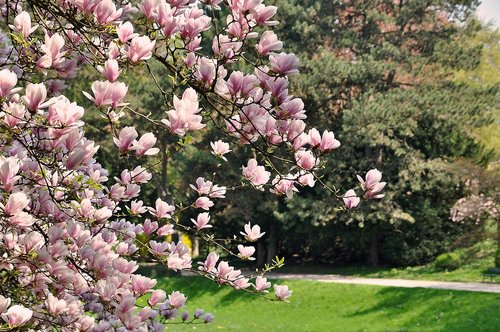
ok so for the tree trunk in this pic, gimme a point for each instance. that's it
(261, 253)
(272, 242)
(374, 255)
(196, 246)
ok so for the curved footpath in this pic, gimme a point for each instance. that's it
(458, 286)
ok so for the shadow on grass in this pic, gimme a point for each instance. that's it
(418, 309)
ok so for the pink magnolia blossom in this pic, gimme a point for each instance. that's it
(190, 60)
(252, 234)
(8, 81)
(351, 200)
(140, 175)
(4, 303)
(372, 185)
(63, 112)
(148, 8)
(241, 283)
(157, 296)
(262, 15)
(106, 12)
(22, 219)
(240, 85)
(210, 262)
(183, 117)
(194, 24)
(101, 93)
(217, 191)
(202, 187)
(81, 155)
(140, 49)
(131, 190)
(158, 248)
(219, 149)
(149, 227)
(22, 24)
(268, 42)
(204, 203)
(328, 142)
(9, 167)
(292, 109)
(16, 202)
(86, 6)
(226, 273)
(141, 284)
(53, 52)
(147, 313)
(56, 306)
(307, 180)
(114, 51)
(305, 159)
(257, 175)
(246, 252)
(126, 139)
(116, 93)
(284, 64)
(162, 209)
(144, 146)
(113, 116)
(261, 284)
(325, 143)
(165, 230)
(17, 316)
(168, 19)
(111, 71)
(201, 221)
(284, 185)
(107, 93)
(35, 96)
(125, 32)
(282, 292)
(177, 299)
(225, 48)
(136, 207)
(208, 318)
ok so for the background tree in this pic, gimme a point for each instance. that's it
(384, 75)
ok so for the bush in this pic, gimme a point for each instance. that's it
(449, 261)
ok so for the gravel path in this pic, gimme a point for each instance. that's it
(460, 286)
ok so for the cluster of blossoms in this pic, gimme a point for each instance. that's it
(69, 236)
(476, 206)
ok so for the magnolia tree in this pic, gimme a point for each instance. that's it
(70, 232)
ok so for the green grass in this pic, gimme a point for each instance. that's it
(319, 306)
(475, 260)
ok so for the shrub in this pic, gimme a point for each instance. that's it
(449, 261)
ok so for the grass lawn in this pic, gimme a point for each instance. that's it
(328, 307)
